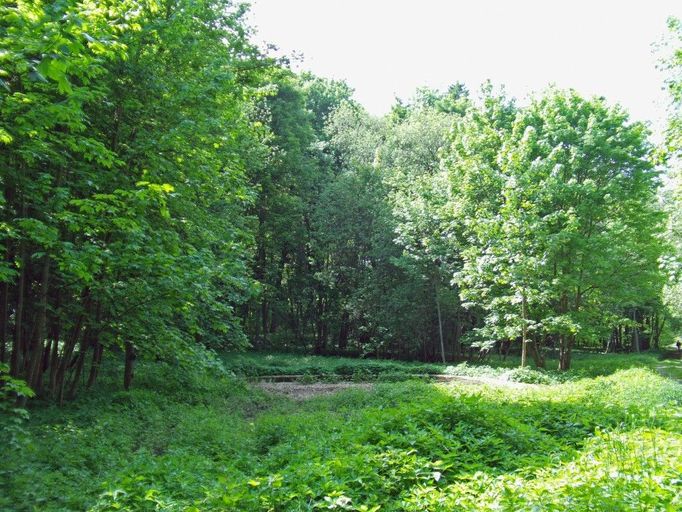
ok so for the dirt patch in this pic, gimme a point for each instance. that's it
(480, 381)
(299, 391)
(283, 385)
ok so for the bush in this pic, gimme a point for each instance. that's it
(12, 417)
(528, 375)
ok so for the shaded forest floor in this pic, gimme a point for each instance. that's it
(607, 436)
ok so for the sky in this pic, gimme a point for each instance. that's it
(386, 49)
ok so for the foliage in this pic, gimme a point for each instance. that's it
(560, 220)
(455, 222)
(12, 417)
(198, 441)
(672, 152)
(169, 193)
(124, 212)
(260, 365)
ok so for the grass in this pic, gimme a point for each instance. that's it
(268, 364)
(606, 439)
(254, 364)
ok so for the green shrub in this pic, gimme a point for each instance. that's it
(12, 417)
(530, 376)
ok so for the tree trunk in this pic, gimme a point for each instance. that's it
(95, 363)
(44, 365)
(343, 331)
(319, 339)
(619, 340)
(536, 353)
(69, 346)
(8, 194)
(566, 341)
(129, 365)
(635, 332)
(566, 344)
(54, 360)
(4, 321)
(17, 346)
(611, 339)
(80, 363)
(36, 353)
(457, 349)
(524, 340)
(440, 323)
(660, 324)
(264, 319)
(506, 347)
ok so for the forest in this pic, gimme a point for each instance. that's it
(225, 285)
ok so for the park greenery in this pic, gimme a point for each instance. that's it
(183, 215)
(604, 437)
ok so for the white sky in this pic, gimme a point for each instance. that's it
(385, 49)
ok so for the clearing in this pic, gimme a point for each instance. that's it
(357, 435)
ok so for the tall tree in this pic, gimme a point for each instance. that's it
(565, 234)
(126, 126)
(672, 151)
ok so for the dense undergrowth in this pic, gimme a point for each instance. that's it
(190, 441)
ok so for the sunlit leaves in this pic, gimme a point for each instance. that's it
(559, 207)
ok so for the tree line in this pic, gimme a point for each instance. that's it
(457, 222)
(168, 188)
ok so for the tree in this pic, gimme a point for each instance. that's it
(290, 182)
(425, 229)
(126, 127)
(54, 58)
(672, 151)
(563, 220)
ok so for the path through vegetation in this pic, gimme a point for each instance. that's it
(300, 391)
(297, 388)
